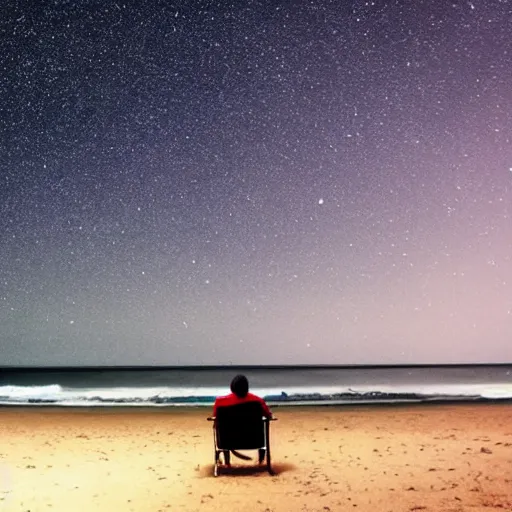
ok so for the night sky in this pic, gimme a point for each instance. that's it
(255, 182)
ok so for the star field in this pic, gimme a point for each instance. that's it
(255, 182)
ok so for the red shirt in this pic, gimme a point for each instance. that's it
(232, 399)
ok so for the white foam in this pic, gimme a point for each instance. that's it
(26, 392)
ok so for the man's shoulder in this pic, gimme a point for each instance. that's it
(224, 398)
(252, 396)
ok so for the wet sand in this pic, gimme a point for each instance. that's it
(384, 458)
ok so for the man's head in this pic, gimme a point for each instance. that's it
(240, 386)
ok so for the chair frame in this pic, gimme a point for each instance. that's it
(266, 444)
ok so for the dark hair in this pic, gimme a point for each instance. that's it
(240, 386)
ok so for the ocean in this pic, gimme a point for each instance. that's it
(280, 386)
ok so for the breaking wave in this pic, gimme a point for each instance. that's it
(57, 395)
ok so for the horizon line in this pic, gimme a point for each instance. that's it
(245, 367)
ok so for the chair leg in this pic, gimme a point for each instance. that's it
(269, 466)
(216, 465)
(267, 446)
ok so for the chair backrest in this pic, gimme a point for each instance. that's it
(240, 426)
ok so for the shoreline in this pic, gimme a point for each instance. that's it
(275, 405)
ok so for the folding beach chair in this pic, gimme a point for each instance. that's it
(242, 427)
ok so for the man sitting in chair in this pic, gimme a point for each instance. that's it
(240, 394)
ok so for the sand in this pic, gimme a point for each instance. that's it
(396, 458)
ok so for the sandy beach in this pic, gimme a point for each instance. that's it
(401, 458)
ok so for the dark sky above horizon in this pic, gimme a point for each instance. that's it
(255, 182)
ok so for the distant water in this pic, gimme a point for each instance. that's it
(279, 386)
